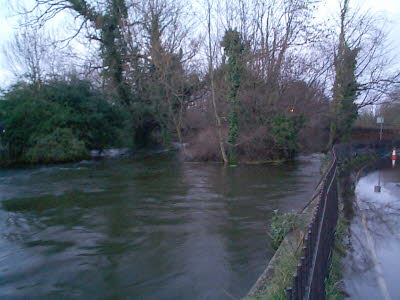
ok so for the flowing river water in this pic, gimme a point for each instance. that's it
(149, 228)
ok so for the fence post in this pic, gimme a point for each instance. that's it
(289, 294)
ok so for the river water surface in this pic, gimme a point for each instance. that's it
(150, 228)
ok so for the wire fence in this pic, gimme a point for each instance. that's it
(314, 265)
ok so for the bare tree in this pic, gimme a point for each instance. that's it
(105, 22)
(377, 72)
(211, 56)
(32, 54)
(165, 37)
(364, 68)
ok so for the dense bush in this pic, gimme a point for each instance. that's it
(61, 121)
(60, 145)
(285, 132)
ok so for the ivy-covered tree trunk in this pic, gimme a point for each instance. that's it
(344, 110)
(112, 43)
(234, 48)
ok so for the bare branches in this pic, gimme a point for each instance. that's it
(33, 55)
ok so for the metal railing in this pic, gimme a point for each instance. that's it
(313, 269)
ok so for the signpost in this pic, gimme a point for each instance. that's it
(380, 120)
(377, 188)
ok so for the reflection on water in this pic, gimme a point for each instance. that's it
(373, 261)
(154, 228)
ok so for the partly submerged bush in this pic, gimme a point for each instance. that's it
(58, 122)
(58, 146)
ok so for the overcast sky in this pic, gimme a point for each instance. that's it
(389, 8)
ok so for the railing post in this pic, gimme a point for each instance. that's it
(296, 287)
(301, 281)
(289, 294)
(304, 268)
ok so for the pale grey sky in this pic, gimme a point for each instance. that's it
(389, 8)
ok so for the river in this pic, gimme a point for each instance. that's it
(148, 228)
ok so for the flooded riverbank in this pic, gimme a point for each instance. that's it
(154, 228)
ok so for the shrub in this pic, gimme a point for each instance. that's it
(285, 131)
(57, 123)
(58, 146)
(281, 225)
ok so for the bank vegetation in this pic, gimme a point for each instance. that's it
(232, 81)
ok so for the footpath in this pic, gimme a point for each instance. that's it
(372, 264)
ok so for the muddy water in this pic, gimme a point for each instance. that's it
(154, 228)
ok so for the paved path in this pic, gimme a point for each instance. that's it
(372, 266)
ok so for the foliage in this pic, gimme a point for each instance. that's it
(93, 119)
(64, 118)
(281, 225)
(113, 45)
(60, 145)
(234, 49)
(333, 289)
(355, 163)
(282, 277)
(285, 131)
(344, 110)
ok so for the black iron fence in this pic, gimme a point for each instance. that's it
(313, 268)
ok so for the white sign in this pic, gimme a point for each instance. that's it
(380, 120)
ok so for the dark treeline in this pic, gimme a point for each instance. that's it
(247, 80)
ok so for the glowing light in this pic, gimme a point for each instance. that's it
(292, 110)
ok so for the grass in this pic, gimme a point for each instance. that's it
(281, 225)
(283, 276)
(334, 290)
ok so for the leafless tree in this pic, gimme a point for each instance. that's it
(32, 54)
(211, 58)
(377, 71)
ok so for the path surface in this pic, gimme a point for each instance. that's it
(372, 265)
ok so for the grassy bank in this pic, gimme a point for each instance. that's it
(281, 225)
(286, 234)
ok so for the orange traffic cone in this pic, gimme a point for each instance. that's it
(394, 157)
